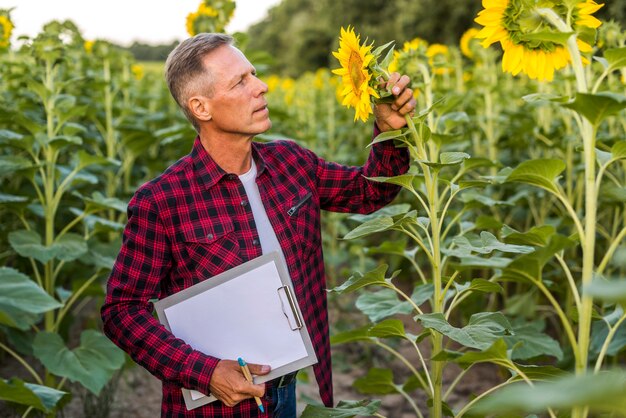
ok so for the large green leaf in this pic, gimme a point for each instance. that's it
(597, 107)
(482, 330)
(528, 341)
(448, 159)
(21, 300)
(359, 280)
(92, 363)
(386, 136)
(376, 382)
(541, 173)
(388, 211)
(382, 304)
(39, 397)
(529, 266)
(28, 244)
(344, 409)
(601, 392)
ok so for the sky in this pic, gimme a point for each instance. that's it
(124, 21)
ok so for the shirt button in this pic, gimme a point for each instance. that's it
(209, 236)
(232, 177)
(255, 242)
(244, 203)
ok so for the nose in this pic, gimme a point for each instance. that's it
(262, 87)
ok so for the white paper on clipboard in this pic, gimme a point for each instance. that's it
(249, 312)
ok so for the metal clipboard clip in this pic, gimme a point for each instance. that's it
(288, 304)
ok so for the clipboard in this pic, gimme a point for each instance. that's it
(249, 311)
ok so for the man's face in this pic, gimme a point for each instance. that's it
(238, 105)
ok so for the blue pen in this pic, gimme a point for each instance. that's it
(248, 375)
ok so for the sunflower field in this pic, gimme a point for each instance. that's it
(493, 286)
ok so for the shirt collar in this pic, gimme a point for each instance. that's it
(209, 173)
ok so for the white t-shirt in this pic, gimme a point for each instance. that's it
(267, 236)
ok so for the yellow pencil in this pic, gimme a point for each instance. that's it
(248, 375)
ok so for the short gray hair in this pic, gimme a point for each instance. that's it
(184, 65)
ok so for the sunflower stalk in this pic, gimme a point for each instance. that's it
(588, 134)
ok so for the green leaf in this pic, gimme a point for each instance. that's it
(616, 57)
(387, 211)
(99, 201)
(28, 244)
(9, 198)
(603, 391)
(92, 363)
(600, 331)
(21, 300)
(597, 107)
(374, 277)
(485, 244)
(537, 236)
(448, 159)
(618, 150)
(541, 173)
(496, 353)
(85, 160)
(386, 136)
(382, 304)
(528, 341)
(11, 163)
(39, 397)
(482, 330)
(388, 328)
(485, 286)
(607, 290)
(344, 409)
(370, 227)
(422, 293)
(8, 137)
(547, 36)
(376, 382)
(359, 334)
(544, 373)
(404, 180)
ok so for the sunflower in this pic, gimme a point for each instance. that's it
(438, 58)
(512, 22)
(6, 27)
(205, 19)
(466, 40)
(356, 74)
(89, 46)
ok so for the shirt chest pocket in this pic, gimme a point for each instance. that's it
(209, 248)
(304, 216)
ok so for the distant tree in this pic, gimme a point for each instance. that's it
(299, 34)
(146, 52)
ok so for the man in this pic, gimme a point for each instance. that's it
(229, 201)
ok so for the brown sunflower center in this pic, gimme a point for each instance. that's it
(355, 64)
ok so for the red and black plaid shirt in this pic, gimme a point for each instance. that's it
(193, 222)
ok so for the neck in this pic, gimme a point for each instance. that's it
(232, 155)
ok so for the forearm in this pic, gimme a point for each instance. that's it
(133, 328)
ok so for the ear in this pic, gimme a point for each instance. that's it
(200, 107)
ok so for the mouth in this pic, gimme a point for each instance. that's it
(261, 109)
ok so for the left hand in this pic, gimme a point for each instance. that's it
(390, 116)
